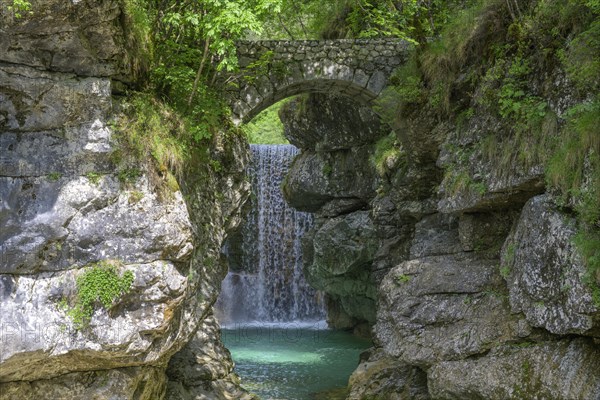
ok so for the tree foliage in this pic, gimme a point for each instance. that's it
(192, 41)
(412, 20)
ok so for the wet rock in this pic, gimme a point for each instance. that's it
(345, 179)
(562, 370)
(384, 377)
(545, 272)
(203, 369)
(338, 259)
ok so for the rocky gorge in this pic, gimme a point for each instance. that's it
(472, 287)
(461, 266)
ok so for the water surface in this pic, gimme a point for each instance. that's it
(293, 362)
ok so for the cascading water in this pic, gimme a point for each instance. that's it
(270, 286)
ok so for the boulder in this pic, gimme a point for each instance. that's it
(337, 259)
(346, 179)
(545, 273)
(561, 370)
(444, 308)
(325, 123)
(384, 377)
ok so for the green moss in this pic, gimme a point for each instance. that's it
(54, 176)
(402, 278)
(93, 177)
(101, 286)
(581, 59)
(387, 149)
(574, 169)
(138, 36)
(406, 88)
(588, 243)
(152, 133)
(135, 197)
(128, 176)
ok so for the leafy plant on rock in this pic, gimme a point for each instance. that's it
(99, 286)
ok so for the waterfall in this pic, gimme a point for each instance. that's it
(268, 284)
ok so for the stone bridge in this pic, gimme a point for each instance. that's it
(273, 70)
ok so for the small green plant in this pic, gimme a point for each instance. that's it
(99, 285)
(505, 271)
(402, 278)
(93, 177)
(510, 253)
(406, 88)
(19, 8)
(215, 165)
(582, 58)
(588, 244)
(135, 197)
(54, 176)
(387, 154)
(526, 367)
(129, 175)
(327, 169)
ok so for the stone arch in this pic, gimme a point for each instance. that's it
(273, 70)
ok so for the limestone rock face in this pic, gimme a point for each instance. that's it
(556, 370)
(338, 258)
(329, 123)
(480, 183)
(121, 384)
(71, 222)
(332, 183)
(443, 308)
(85, 37)
(545, 273)
(64, 208)
(384, 377)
